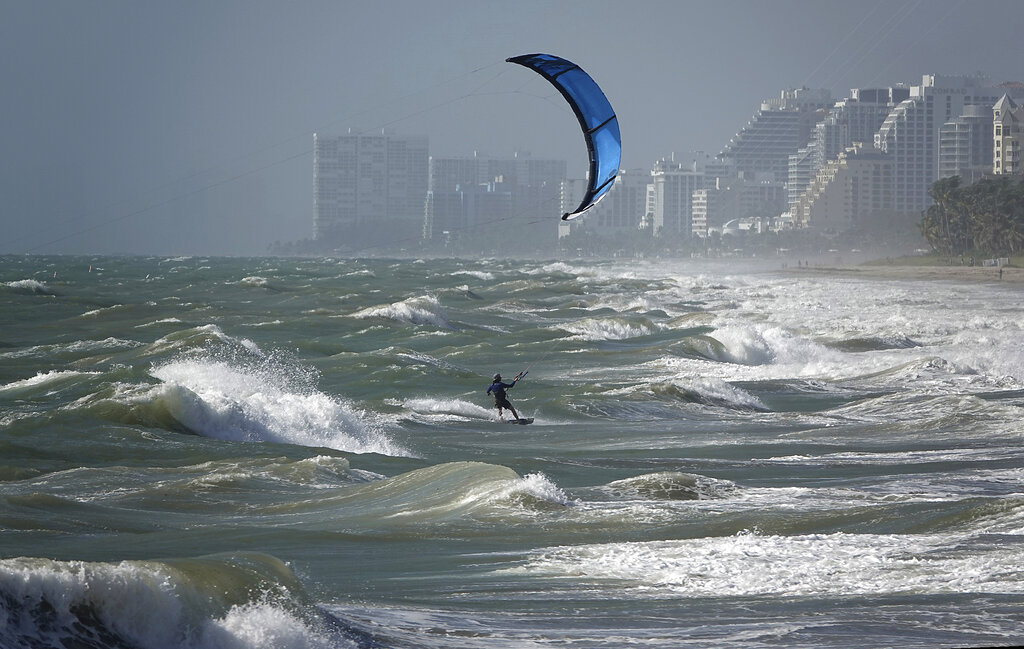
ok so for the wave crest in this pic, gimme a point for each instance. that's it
(238, 601)
(424, 310)
(249, 401)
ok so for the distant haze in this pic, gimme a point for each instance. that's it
(186, 127)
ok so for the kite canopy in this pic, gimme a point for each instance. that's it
(600, 126)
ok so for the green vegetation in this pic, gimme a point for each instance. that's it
(985, 219)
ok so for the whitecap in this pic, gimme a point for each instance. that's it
(262, 402)
(28, 287)
(448, 409)
(592, 329)
(424, 310)
(753, 565)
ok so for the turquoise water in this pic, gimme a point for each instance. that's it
(207, 452)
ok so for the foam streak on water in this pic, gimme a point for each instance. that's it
(300, 453)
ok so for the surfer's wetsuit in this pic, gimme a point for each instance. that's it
(500, 399)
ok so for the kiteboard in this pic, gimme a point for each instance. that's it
(523, 421)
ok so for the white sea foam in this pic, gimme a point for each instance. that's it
(479, 274)
(538, 486)
(754, 344)
(253, 280)
(28, 286)
(96, 312)
(259, 625)
(44, 378)
(146, 604)
(74, 348)
(610, 328)
(750, 565)
(235, 400)
(531, 488)
(448, 409)
(165, 320)
(137, 604)
(424, 310)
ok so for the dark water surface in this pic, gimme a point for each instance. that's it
(299, 453)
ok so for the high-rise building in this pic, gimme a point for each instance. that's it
(510, 196)
(910, 133)
(367, 186)
(670, 191)
(775, 132)
(454, 219)
(965, 145)
(621, 210)
(854, 119)
(1007, 121)
(741, 200)
(856, 184)
(802, 166)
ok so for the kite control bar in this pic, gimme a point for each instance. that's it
(519, 376)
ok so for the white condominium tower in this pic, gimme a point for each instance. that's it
(910, 134)
(367, 184)
(965, 145)
(776, 131)
(853, 119)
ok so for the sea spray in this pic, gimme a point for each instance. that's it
(239, 602)
(244, 395)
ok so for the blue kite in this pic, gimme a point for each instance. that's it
(594, 111)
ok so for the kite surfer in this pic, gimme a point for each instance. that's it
(497, 388)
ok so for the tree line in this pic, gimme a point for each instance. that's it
(987, 216)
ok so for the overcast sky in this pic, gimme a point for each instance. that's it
(185, 127)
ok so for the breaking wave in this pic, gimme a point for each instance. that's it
(425, 310)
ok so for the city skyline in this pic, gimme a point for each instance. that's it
(848, 164)
(197, 141)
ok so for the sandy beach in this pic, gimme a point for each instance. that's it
(894, 271)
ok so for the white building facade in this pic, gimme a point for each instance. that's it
(1008, 131)
(365, 181)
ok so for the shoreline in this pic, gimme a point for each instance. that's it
(895, 271)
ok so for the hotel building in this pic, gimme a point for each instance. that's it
(1007, 118)
(366, 184)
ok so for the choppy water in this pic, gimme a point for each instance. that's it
(299, 453)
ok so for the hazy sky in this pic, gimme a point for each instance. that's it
(185, 127)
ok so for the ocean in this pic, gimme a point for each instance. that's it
(272, 452)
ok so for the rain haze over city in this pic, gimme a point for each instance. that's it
(187, 128)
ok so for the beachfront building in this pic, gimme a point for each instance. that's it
(858, 183)
(777, 130)
(910, 134)
(965, 145)
(621, 210)
(854, 119)
(710, 207)
(669, 194)
(1007, 120)
(482, 204)
(454, 220)
(802, 166)
(616, 217)
(746, 200)
(366, 187)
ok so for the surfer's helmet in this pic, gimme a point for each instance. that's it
(497, 377)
